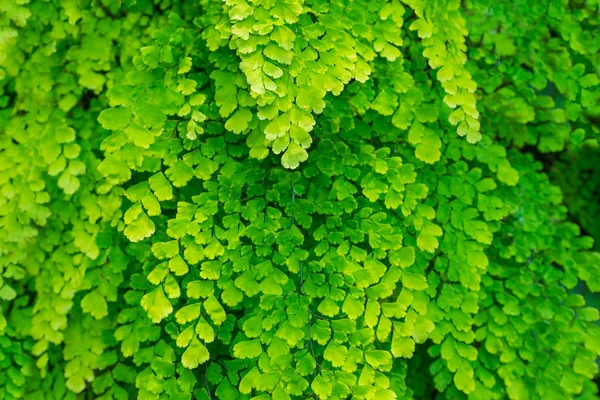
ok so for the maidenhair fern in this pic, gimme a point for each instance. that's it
(294, 199)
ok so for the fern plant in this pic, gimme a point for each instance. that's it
(294, 199)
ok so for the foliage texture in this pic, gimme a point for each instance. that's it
(294, 199)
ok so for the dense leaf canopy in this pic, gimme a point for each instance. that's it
(295, 199)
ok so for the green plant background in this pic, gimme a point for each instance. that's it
(288, 199)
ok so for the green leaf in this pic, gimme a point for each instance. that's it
(247, 381)
(186, 86)
(214, 249)
(352, 307)
(402, 346)
(120, 95)
(414, 281)
(179, 174)
(140, 228)
(205, 331)
(284, 37)
(252, 327)
(321, 386)
(278, 127)
(2, 323)
(290, 334)
(372, 311)
(149, 115)
(306, 365)
(328, 307)
(161, 187)
(405, 257)
(278, 54)
(427, 242)
(215, 310)
(310, 98)
(194, 355)
(178, 266)
(185, 337)
(188, 313)
(385, 103)
(197, 289)
(336, 354)
(150, 55)
(7, 292)
(463, 379)
(157, 305)
(247, 349)
(93, 302)
(171, 287)
(139, 136)
(115, 119)
(226, 390)
(378, 359)
(162, 250)
(238, 122)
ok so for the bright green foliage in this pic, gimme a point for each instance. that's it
(577, 174)
(537, 63)
(292, 199)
